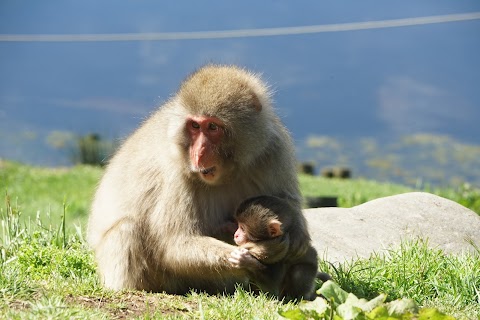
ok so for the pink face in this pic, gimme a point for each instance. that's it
(206, 134)
(240, 236)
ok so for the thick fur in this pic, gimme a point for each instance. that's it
(153, 220)
(289, 274)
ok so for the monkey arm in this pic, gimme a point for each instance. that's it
(269, 251)
(300, 240)
(192, 256)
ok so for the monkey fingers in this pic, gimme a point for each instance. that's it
(236, 257)
(241, 258)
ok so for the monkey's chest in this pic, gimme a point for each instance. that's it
(216, 206)
(227, 198)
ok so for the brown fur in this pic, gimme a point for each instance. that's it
(287, 274)
(153, 219)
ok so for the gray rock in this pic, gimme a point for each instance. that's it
(340, 234)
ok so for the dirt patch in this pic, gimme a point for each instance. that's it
(135, 304)
(19, 305)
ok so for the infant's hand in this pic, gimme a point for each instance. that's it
(241, 258)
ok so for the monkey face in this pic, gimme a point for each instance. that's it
(226, 122)
(205, 135)
(241, 236)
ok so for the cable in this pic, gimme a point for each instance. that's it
(242, 33)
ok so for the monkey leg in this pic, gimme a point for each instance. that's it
(299, 282)
(118, 257)
(300, 278)
(269, 280)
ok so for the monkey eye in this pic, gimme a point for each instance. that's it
(195, 125)
(212, 126)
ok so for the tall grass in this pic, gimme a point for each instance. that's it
(42, 192)
(415, 270)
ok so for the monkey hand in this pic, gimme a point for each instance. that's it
(241, 258)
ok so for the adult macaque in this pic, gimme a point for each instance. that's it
(156, 214)
(266, 225)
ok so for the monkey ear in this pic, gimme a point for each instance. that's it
(274, 228)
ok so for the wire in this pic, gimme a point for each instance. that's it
(242, 33)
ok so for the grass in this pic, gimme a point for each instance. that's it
(42, 192)
(414, 270)
(349, 192)
(47, 270)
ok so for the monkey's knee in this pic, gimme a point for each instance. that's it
(300, 283)
(114, 260)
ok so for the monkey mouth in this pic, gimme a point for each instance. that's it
(208, 175)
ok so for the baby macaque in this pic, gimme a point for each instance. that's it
(265, 226)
